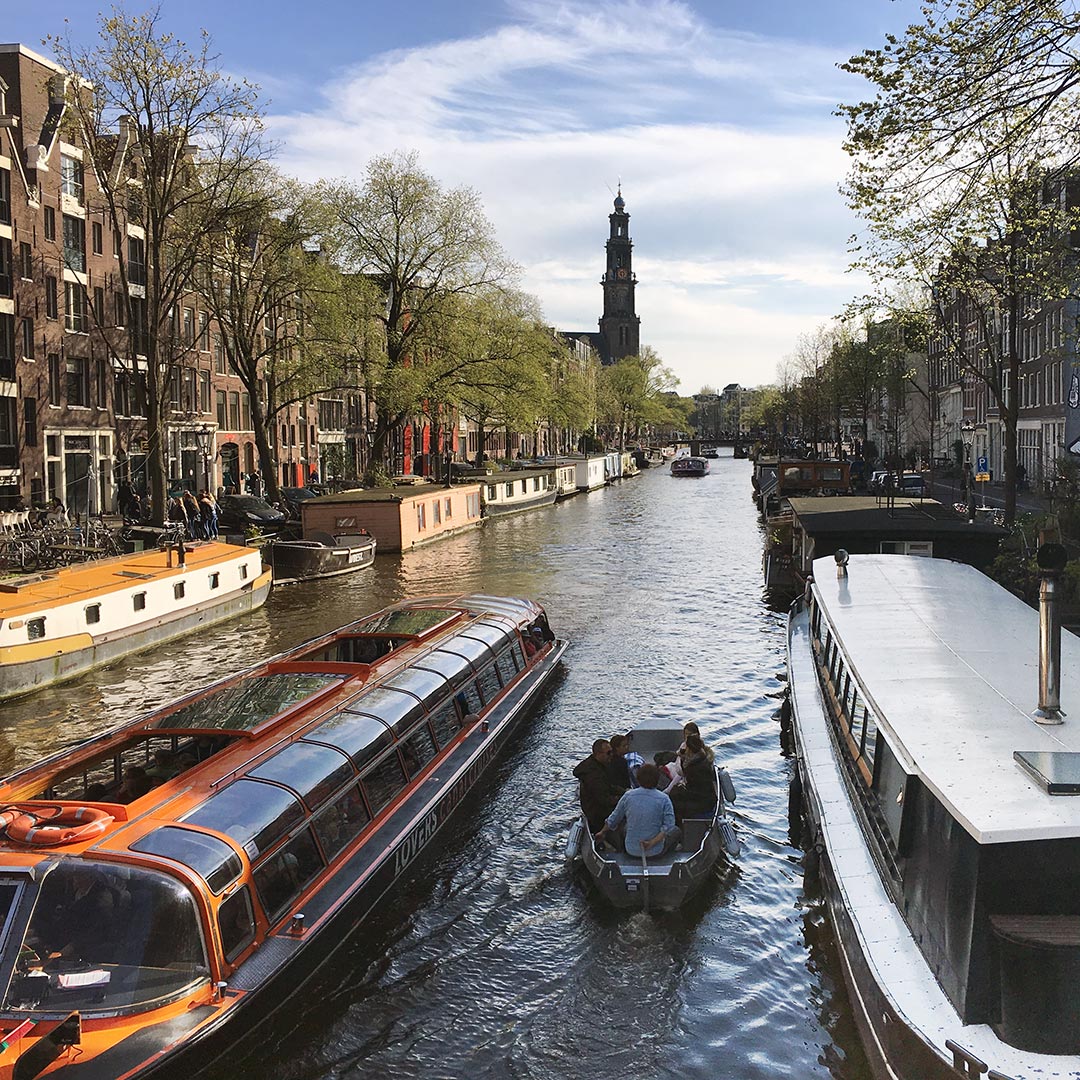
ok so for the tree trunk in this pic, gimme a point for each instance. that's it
(155, 458)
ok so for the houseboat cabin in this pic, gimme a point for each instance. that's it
(515, 490)
(591, 473)
(950, 864)
(399, 518)
(166, 885)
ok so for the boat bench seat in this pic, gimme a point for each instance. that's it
(693, 832)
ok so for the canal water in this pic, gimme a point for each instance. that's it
(491, 959)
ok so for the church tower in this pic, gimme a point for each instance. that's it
(620, 328)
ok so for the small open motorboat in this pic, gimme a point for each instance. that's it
(660, 882)
(319, 556)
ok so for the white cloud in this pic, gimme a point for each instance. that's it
(725, 143)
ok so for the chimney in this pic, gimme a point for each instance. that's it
(1051, 558)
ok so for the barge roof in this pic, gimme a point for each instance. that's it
(950, 662)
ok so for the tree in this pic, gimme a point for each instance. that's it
(169, 139)
(634, 394)
(962, 166)
(427, 248)
(289, 320)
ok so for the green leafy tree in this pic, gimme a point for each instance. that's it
(168, 139)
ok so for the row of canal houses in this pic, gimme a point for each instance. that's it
(414, 512)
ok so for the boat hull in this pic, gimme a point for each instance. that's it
(24, 677)
(532, 502)
(299, 562)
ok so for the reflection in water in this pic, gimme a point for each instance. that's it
(492, 960)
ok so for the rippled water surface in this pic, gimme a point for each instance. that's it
(491, 959)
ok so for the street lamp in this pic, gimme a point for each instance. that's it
(204, 436)
(967, 436)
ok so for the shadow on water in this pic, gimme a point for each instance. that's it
(488, 959)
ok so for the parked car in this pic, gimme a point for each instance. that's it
(237, 513)
(876, 482)
(292, 497)
(911, 484)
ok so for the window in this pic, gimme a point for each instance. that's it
(5, 196)
(219, 358)
(26, 261)
(488, 681)
(28, 338)
(234, 410)
(236, 923)
(76, 316)
(97, 238)
(215, 580)
(447, 507)
(204, 391)
(138, 602)
(119, 309)
(178, 590)
(136, 267)
(71, 177)
(93, 614)
(436, 517)
(30, 421)
(74, 243)
(341, 822)
(99, 305)
(472, 505)
(421, 516)
(418, 750)
(189, 326)
(51, 310)
(243, 571)
(35, 629)
(245, 413)
(383, 782)
(117, 244)
(221, 415)
(50, 223)
(283, 876)
(54, 378)
(77, 369)
(204, 332)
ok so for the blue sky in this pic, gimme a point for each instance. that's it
(717, 116)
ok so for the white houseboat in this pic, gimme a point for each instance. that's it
(591, 473)
(516, 490)
(934, 771)
(57, 625)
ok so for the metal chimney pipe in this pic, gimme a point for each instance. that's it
(1051, 559)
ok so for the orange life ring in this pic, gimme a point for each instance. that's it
(53, 826)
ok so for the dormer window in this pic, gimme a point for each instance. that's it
(71, 177)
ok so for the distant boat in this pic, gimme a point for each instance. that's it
(689, 466)
(710, 452)
(320, 555)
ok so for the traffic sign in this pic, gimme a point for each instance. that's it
(982, 478)
(982, 466)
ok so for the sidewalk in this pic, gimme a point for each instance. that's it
(950, 489)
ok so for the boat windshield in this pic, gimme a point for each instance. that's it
(247, 704)
(105, 937)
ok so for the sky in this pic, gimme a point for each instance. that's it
(715, 115)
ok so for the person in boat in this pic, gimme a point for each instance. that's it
(618, 769)
(598, 795)
(165, 766)
(663, 759)
(649, 817)
(695, 794)
(674, 767)
(82, 915)
(136, 784)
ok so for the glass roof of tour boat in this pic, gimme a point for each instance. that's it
(408, 622)
(247, 704)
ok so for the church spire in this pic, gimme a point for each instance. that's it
(619, 325)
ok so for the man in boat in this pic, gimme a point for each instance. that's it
(598, 795)
(649, 817)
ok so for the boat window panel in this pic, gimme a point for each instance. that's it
(482, 604)
(453, 669)
(383, 781)
(341, 822)
(247, 704)
(414, 621)
(489, 633)
(468, 700)
(470, 648)
(869, 739)
(250, 812)
(424, 685)
(418, 749)
(286, 873)
(361, 737)
(127, 936)
(395, 708)
(858, 718)
(236, 923)
(211, 858)
(507, 670)
(445, 723)
(488, 681)
(313, 772)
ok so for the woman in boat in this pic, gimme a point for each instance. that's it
(695, 794)
(674, 768)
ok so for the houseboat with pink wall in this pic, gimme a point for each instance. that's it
(399, 518)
